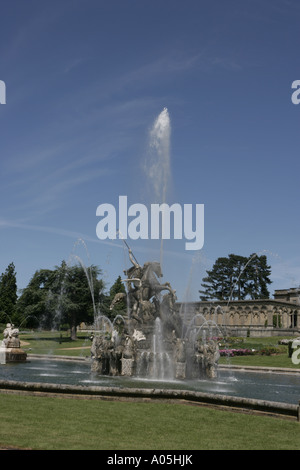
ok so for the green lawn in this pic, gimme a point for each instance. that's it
(277, 360)
(56, 343)
(260, 360)
(61, 423)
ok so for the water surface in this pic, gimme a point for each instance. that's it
(257, 385)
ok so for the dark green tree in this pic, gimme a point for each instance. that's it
(66, 295)
(33, 305)
(237, 278)
(217, 283)
(76, 294)
(8, 294)
(259, 273)
(120, 307)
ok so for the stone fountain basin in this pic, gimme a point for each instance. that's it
(258, 385)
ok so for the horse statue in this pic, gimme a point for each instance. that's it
(143, 289)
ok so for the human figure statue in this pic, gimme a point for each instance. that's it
(11, 336)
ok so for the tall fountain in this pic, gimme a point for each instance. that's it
(153, 342)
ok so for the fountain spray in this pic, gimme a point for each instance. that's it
(158, 167)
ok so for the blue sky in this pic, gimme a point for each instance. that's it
(85, 81)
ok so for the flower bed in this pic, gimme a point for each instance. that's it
(236, 352)
(267, 351)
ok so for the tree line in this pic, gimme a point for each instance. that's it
(68, 295)
(62, 297)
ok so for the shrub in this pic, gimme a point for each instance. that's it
(236, 352)
(234, 339)
(269, 350)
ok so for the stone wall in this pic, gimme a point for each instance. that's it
(244, 314)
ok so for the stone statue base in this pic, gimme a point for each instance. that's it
(211, 372)
(10, 350)
(128, 367)
(13, 355)
(180, 370)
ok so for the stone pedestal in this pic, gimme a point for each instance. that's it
(180, 370)
(128, 367)
(14, 355)
(96, 366)
(10, 350)
(211, 372)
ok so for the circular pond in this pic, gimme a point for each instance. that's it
(269, 386)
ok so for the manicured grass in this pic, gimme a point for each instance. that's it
(257, 360)
(62, 423)
(56, 343)
(277, 360)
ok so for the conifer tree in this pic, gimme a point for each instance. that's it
(237, 278)
(120, 307)
(8, 293)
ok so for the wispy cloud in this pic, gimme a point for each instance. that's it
(57, 191)
(6, 224)
(73, 64)
(226, 63)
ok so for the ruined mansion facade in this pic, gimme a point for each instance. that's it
(263, 317)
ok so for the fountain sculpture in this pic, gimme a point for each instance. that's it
(152, 343)
(10, 349)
